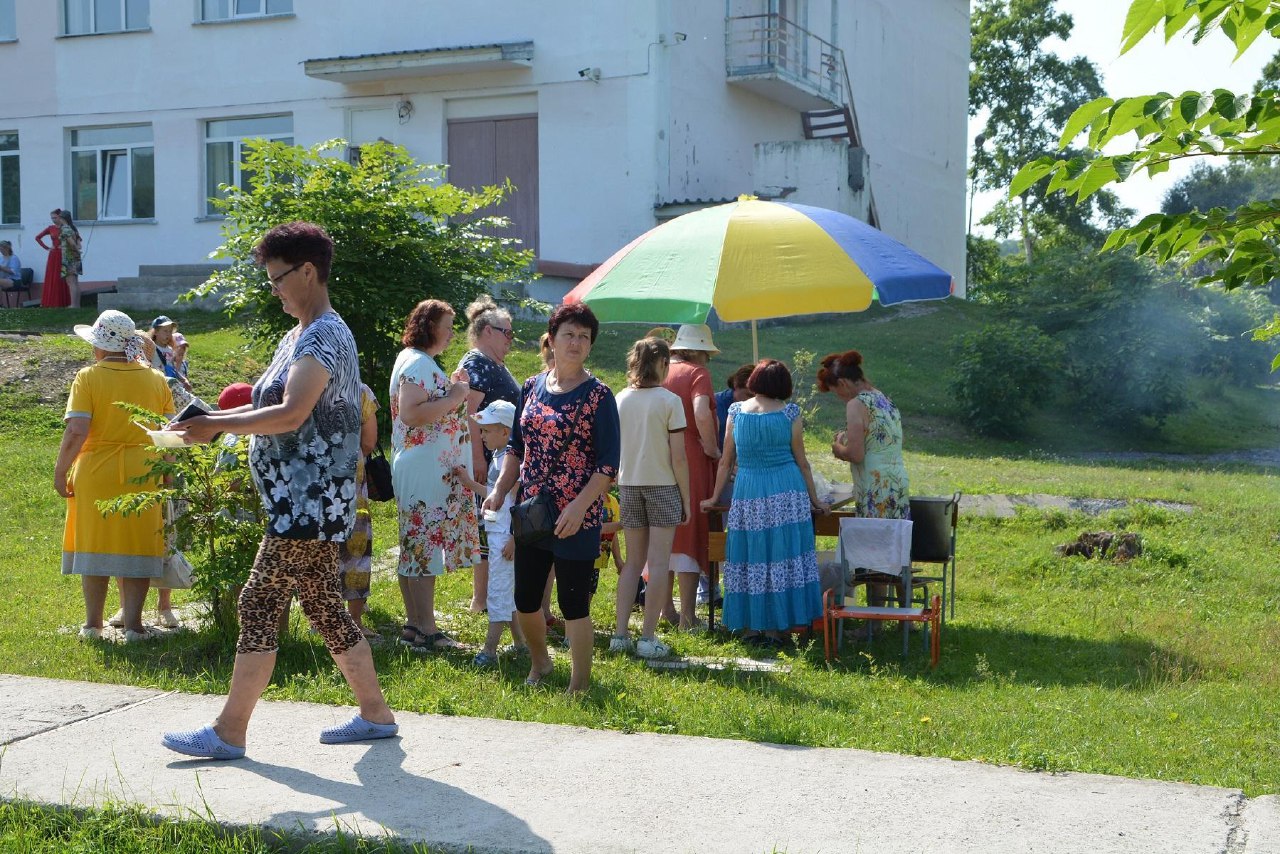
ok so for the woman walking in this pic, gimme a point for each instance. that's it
(429, 439)
(305, 424)
(565, 443)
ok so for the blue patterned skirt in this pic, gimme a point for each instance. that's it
(771, 569)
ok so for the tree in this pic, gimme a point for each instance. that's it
(1207, 187)
(1029, 94)
(400, 235)
(1239, 244)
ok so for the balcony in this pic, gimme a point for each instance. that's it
(780, 60)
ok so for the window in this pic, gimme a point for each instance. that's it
(8, 23)
(230, 10)
(10, 180)
(224, 151)
(113, 173)
(82, 17)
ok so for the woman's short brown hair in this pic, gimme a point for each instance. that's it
(419, 327)
(647, 362)
(738, 379)
(840, 366)
(771, 379)
(578, 314)
(297, 242)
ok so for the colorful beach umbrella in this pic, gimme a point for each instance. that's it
(754, 259)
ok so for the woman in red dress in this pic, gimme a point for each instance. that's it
(55, 293)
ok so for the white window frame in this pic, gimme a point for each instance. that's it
(93, 29)
(8, 217)
(8, 21)
(234, 15)
(237, 150)
(111, 156)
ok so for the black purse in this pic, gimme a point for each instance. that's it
(534, 519)
(377, 475)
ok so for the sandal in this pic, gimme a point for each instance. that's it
(411, 636)
(438, 641)
(203, 743)
(357, 729)
(370, 634)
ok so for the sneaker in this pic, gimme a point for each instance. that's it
(117, 619)
(652, 648)
(90, 633)
(484, 659)
(168, 619)
(621, 643)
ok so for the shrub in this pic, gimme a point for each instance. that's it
(221, 519)
(1002, 373)
(401, 234)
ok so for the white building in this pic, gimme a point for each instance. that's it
(608, 116)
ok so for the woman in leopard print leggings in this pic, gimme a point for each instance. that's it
(305, 423)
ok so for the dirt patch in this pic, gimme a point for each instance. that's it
(30, 368)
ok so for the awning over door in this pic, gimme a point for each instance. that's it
(398, 64)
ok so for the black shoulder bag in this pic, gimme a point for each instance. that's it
(534, 519)
(377, 475)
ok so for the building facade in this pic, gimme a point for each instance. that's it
(608, 117)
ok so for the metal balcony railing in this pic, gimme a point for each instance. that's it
(771, 44)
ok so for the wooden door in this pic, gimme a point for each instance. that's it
(488, 151)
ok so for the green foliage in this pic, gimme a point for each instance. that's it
(804, 384)
(982, 261)
(1236, 244)
(218, 519)
(1028, 94)
(1002, 373)
(400, 235)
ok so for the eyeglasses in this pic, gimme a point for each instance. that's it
(274, 281)
(510, 333)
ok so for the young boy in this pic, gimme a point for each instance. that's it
(495, 429)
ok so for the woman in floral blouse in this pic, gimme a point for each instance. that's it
(429, 439)
(566, 441)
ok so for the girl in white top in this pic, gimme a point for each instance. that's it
(653, 488)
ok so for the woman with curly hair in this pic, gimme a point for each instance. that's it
(430, 437)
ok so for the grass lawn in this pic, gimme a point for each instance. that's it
(1160, 668)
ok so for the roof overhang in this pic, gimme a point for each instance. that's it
(372, 67)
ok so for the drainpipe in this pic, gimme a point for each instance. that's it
(661, 83)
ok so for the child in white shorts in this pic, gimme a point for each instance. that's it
(495, 429)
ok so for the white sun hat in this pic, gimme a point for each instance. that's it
(694, 336)
(497, 412)
(112, 331)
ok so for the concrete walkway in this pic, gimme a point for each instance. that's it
(490, 785)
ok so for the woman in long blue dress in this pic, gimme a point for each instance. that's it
(771, 568)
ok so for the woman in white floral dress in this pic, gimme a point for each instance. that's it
(430, 437)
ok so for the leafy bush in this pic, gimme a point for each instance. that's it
(220, 519)
(1002, 373)
(400, 235)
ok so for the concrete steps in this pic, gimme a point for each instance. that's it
(158, 286)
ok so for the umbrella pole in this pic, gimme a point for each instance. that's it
(755, 343)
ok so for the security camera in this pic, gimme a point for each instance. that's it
(592, 74)
(583, 72)
(681, 36)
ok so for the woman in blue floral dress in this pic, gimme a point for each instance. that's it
(770, 569)
(872, 439)
(429, 439)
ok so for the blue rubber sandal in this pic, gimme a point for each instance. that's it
(357, 729)
(203, 742)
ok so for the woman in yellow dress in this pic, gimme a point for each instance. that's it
(102, 452)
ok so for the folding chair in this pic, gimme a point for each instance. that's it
(884, 547)
(933, 540)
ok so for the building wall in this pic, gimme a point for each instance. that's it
(661, 124)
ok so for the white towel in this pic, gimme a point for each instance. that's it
(880, 545)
